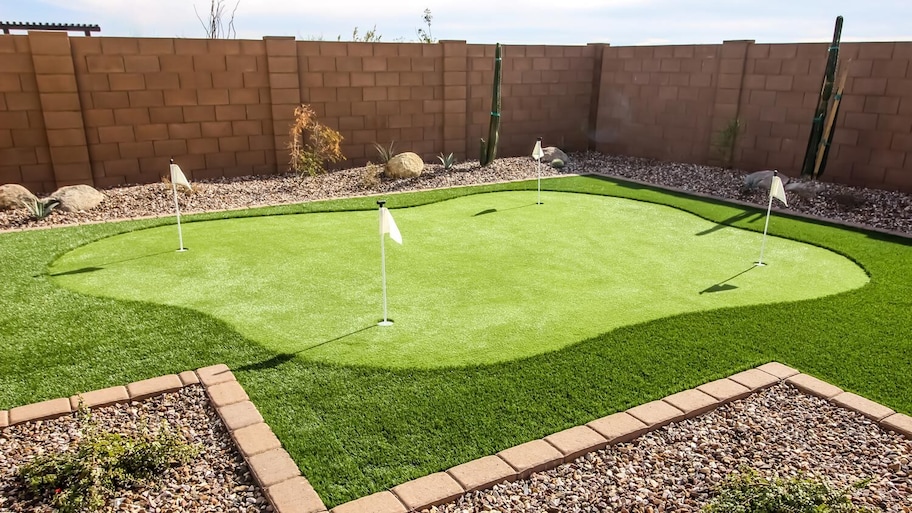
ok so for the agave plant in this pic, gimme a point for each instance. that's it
(40, 209)
(446, 160)
(385, 152)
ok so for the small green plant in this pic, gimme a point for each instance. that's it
(447, 160)
(725, 140)
(748, 492)
(312, 144)
(371, 36)
(385, 152)
(425, 36)
(39, 209)
(82, 480)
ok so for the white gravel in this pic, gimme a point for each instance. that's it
(780, 432)
(871, 207)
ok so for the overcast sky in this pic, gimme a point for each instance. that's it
(619, 22)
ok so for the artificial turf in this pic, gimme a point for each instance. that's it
(484, 278)
(355, 430)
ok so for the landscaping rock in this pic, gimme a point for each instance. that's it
(807, 190)
(12, 195)
(404, 165)
(762, 180)
(552, 153)
(75, 198)
(557, 164)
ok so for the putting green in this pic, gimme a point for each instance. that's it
(479, 279)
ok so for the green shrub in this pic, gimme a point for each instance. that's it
(447, 160)
(748, 492)
(39, 209)
(385, 152)
(83, 479)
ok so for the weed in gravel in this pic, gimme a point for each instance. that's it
(748, 492)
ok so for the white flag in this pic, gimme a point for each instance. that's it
(777, 191)
(388, 225)
(177, 176)
(537, 153)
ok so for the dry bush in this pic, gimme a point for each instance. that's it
(311, 144)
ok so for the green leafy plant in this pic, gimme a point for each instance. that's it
(447, 160)
(83, 479)
(312, 144)
(39, 209)
(725, 140)
(385, 152)
(748, 492)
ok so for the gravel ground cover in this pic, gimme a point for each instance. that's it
(216, 481)
(871, 207)
(778, 432)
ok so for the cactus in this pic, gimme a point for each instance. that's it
(489, 148)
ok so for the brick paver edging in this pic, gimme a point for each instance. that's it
(272, 467)
(289, 492)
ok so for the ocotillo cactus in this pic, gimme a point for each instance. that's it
(489, 148)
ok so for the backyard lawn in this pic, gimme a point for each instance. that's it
(513, 320)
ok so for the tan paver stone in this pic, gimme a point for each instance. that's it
(814, 386)
(227, 393)
(272, 467)
(866, 407)
(4, 418)
(215, 374)
(103, 397)
(38, 411)
(899, 422)
(188, 378)
(295, 495)
(725, 390)
(482, 473)
(530, 457)
(778, 370)
(656, 414)
(428, 491)
(380, 502)
(619, 427)
(754, 379)
(692, 402)
(576, 441)
(154, 386)
(255, 439)
(239, 415)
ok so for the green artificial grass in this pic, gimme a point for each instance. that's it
(356, 430)
(481, 279)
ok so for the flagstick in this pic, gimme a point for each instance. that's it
(385, 321)
(180, 235)
(539, 181)
(765, 227)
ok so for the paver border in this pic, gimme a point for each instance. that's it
(290, 492)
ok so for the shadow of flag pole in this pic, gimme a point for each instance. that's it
(387, 225)
(778, 192)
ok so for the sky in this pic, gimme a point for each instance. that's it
(569, 22)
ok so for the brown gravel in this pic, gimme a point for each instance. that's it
(778, 432)
(217, 481)
(871, 207)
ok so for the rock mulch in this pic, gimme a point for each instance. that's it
(871, 207)
(778, 432)
(216, 481)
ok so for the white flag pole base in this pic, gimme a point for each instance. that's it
(385, 323)
(182, 250)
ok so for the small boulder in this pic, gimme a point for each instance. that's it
(75, 198)
(552, 153)
(404, 165)
(807, 190)
(762, 180)
(557, 164)
(12, 195)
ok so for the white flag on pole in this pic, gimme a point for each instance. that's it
(178, 178)
(777, 191)
(537, 153)
(388, 225)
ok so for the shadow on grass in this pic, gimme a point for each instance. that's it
(282, 358)
(723, 285)
(494, 210)
(726, 223)
(103, 266)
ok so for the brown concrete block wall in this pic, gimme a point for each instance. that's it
(25, 157)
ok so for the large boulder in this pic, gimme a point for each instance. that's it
(762, 180)
(405, 165)
(552, 153)
(74, 198)
(12, 195)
